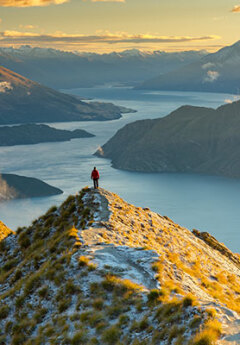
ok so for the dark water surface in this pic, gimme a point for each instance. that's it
(207, 203)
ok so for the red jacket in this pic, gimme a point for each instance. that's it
(95, 175)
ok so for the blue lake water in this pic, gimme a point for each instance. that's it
(207, 203)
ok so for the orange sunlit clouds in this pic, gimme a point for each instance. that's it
(105, 37)
(236, 9)
(116, 25)
(35, 3)
(103, 41)
(30, 3)
(107, 0)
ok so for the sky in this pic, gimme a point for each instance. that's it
(114, 25)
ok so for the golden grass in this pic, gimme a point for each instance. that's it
(181, 252)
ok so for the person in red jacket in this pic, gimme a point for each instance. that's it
(95, 177)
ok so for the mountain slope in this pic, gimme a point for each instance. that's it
(15, 187)
(62, 70)
(34, 134)
(190, 139)
(24, 101)
(97, 270)
(217, 72)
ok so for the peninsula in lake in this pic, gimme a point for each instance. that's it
(191, 140)
(25, 101)
(17, 187)
(34, 134)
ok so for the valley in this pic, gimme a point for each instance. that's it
(191, 200)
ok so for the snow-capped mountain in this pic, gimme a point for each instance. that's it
(61, 69)
(216, 72)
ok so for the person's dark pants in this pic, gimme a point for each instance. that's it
(95, 182)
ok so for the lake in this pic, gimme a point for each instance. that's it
(207, 203)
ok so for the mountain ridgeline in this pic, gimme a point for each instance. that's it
(25, 101)
(63, 70)
(216, 72)
(190, 139)
(97, 270)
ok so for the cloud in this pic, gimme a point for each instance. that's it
(208, 65)
(27, 27)
(236, 9)
(107, 1)
(211, 76)
(234, 99)
(30, 3)
(11, 37)
(228, 101)
(5, 86)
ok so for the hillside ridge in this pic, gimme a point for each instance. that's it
(189, 140)
(25, 101)
(98, 270)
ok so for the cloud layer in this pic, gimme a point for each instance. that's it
(105, 37)
(107, 0)
(30, 3)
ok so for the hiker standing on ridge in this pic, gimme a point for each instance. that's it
(95, 177)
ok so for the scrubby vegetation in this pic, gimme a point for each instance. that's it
(54, 294)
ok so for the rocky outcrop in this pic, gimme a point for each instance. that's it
(213, 243)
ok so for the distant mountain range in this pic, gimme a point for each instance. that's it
(190, 139)
(34, 134)
(217, 72)
(25, 101)
(62, 70)
(15, 187)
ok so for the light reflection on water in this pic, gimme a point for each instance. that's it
(196, 201)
